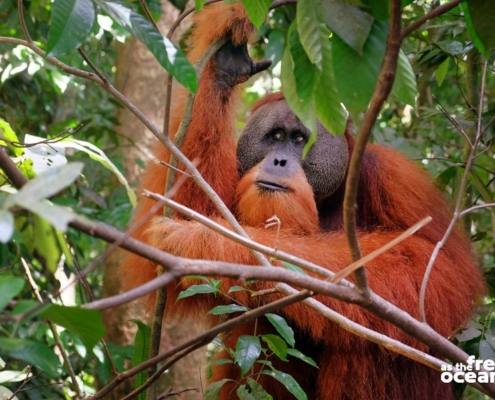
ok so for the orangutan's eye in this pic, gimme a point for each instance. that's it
(299, 138)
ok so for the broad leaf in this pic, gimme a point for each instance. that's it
(71, 23)
(46, 185)
(351, 24)
(90, 149)
(405, 89)
(303, 109)
(247, 351)
(58, 216)
(197, 289)
(441, 71)
(305, 73)
(142, 345)
(277, 345)
(10, 286)
(227, 309)
(282, 328)
(257, 10)
(170, 57)
(87, 324)
(297, 354)
(308, 26)
(98, 155)
(8, 138)
(252, 391)
(7, 376)
(289, 382)
(332, 115)
(479, 16)
(35, 353)
(6, 226)
(356, 93)
(212, 391)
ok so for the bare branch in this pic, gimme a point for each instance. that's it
(437, 11)
(380, 94)
(371, 256)
(459, 199)
(474, 208)
(372, 302)
(53, 329)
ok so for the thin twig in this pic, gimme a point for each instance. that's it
(380, 94)
(22, 21)
(372, 302)
(474, 208)
(53, 329)
(371, 256)
(437, 11)
(161, 298)
(459, 199)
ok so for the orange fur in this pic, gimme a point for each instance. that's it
(296, 209)
(394, 193)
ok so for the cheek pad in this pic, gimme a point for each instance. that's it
(326, 165)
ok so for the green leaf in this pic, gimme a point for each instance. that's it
(99, 156)
(305, 73)
(198, 4)
(486, 351)
(87, 324)
(10, 286)
(235, 289)
(35, 353)
(71, 23)
(277, 345)
(304, 109)
(7, 376)
(247, 351)
(275, 46)
(46, 184)
(356, 93)
(293, 268)
(212, 391)
(297, 354)
(257, 10)
(46, 244)
(142, 345)
(227, 309)
(252, 391)
(405, 89)
(351, 24)
(479, 16)
(10, 138)
(441, 71)
(197, 289)
(170, 57)
(289, 382)
(282, 328)
(308, 26)
(332, 115)
(6, 226)
(23, 306)
(57, 216)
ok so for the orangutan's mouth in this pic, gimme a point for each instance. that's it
(271, 186)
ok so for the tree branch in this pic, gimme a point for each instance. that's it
(380, 94)
(371, 301)
(459, 200)
(437, 11)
